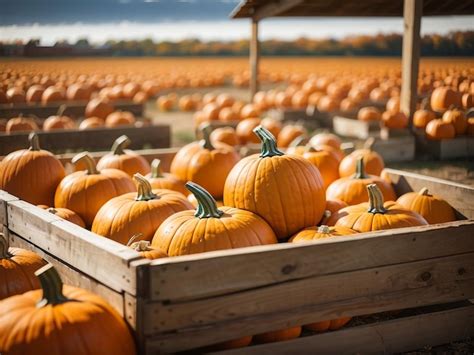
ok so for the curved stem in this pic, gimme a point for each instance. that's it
(61, 110)
(34, 141)
(134, 238)
(324, 229)
(375, 199)
(140, 245)
(206, 136)
(269, 145)
(4, 254)
(88, 160)
(52, 286)
(425, 104)
(360, 169)
(297, 141)
(120, 144)
(369, 143)
(144, 189)
(308, 148)
(207, 206)
(156, 171)
(424, 192)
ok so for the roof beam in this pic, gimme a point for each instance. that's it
(274, 8)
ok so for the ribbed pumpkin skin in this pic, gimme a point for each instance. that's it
(67, 328)
(327, 164)
(314, 233)
(287, 191)
(323, 326)
(68, 215)
(167, 182)
(277, 335)
(335, 205)
(433, 208)
(130, 162)
(373, 163)
(353, 191)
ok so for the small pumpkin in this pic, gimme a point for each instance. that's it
(376, 215)
(325, 139)
(52, 94)
(226, 135)
(141, 212)
(61, 312)
(323, 231)
(34, 94)
(288, 134)
(369, 113)
(373, 162)
(333, 324)
(210, 228)
(68, 215)
(393, 105)
(433, 208)
(278, 335)
(31, 174)
(423, 116)
(59, 121)
(92, 122)
(124, 159)
(160, 180)
(326, 162)
(438, 129)
(335, 205)
(21, 124)
(120, 118)
(457, 119)
(99, 107)
(244, 130)
(144, 248)
(394, 120)
(444, 97)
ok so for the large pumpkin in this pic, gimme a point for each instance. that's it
(326, 162)
(86, 191)
(17, 270)
(61, 320)
(373, 162)
(352, 189)
(210, 228)
(160, 180)
(286, 190)
(205, 164)
(124, 159)
(31, 174)
(433, 208)
(376, 215)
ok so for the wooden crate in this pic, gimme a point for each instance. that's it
(187, 302)
(351, 127)
(459, 147)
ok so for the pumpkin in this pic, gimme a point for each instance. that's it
(326, 162)
(34, 93)
(278, 335)
(230, 344)
(68, 215)
(99, 107)
(61, 320)
(225, 135)
(249, 111)
(210, 228)
(470, 126)
(144, 248)
(130, 90)
(224, 100)
(433, 208)
(21, 124)
(325, 139)
(373, 162)
(160, 180)
(394, 120)
(15, 95)
(78, 92)
(352, 189)
(92, 122)
(323, 231)
(393, 105)
(228, 114)
(285, 190)
(297, 146)
(438, 129)
(186, 103)
(124, 159)
(299, 99)
(328, 104)
(422, 116)
(348, 105)
(140, 98)
(86, 191)
(323, 326)
(59, 121)
(52, 94)
(17, 267)
(376, 215)
(272, 125)
(205, 163)
(31, 174)
(244, 130)
(120, 118)
(457, 119)
(335, 205)
(444, 97)
(467, 101)
(288, 135)
(369, 113)
(143, 212)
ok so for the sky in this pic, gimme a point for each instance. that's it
(101, 20)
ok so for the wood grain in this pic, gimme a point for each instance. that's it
(396, 149)
(5, 197)
(348, 127)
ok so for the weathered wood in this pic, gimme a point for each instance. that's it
(412, 12)
(254, 59)
(396, 149)
(461, 197)
(387, 337)
(5, 197)
(274, 8)
(100, 258)
(154, 136)
(223, 272)
(348, 127)
(458, 147)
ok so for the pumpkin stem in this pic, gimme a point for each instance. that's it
(88, 160)
(324, 229)
(140, 245)
(120, 144)
(369, 143)
(4, 254)
(52, 286)
(424, 192)
(297, 141)
(360, 169)
(134, 238)
(52, 210)
(61, 110)
(207, 206)
(269, 146)
(310, 149)
(375, 199)
(156, 171)
(425, 104)
(144, 189)
(206, 130)
(34, 141)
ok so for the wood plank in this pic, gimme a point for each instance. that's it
(387, 337)
(348, 127)
(396, 149)
(460, 196)
(154, 136)
(5, 197)
(72, 276)
(216, 273)
(254, 59)
(274, 8)
(322, 290)
(103, 259)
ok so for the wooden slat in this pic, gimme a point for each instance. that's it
(100, 258)
(217, 273)
(5, 197)
(396, 149)
(388, 337)
(274, 8)
(461, 197)
(348, 127)
(367, 283)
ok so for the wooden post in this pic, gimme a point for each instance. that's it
(254, 58)
(412, 13)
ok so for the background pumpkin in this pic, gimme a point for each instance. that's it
(457, 119)
(323, 231)
(225, 135)
(373, 162)
(144, 248)
(438, 129)
(21, 124)
(278, 335)
(160, 180)
(68, 215)
(326, 162)
(288, 134)
(323, 326)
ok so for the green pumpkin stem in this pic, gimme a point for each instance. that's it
(34, 142)
(120, 144)
(269, 146)
(207, 206)
(360, 169)
(324, 229)
(144, 189)
(4, 254)
(375, 199)
(52, 286)
(156, 171)
(424, 192)
(88, 160)
(206, 130)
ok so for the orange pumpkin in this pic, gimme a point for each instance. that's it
(59, 121)
(376, 215)
(124, 159)
(272, 125)
(326, 162)
(86, 191)
(423, 116)
(244, 130)
(120, 118)
(323, 326)
(335, 205)
(393, 105)
(325, 139)
(144, 248)
(470, 126)
(210, 228)
(68, 215)
(15, 95)
(438, 129)
(348, 105)
(288, 134)
(31, 174)
(228, 114)
(467, 101)
(226, 135)
(270, 184)
(92, 122)
(394, 120)
(323, 231)
(21, 124)
(297, 146)
(278, 335)
(186, 103)
(369, 113)
(160, 180)
(433, 208)
(457, 119)
(52, 94)
(78, 92)
(34, 93)
(328, 104)
(373, 162)
(61, 312)
(444, 97)
(98, 108)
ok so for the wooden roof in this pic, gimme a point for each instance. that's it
(259, 9)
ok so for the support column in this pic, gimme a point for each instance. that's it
(412, 13)
(254, 59)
